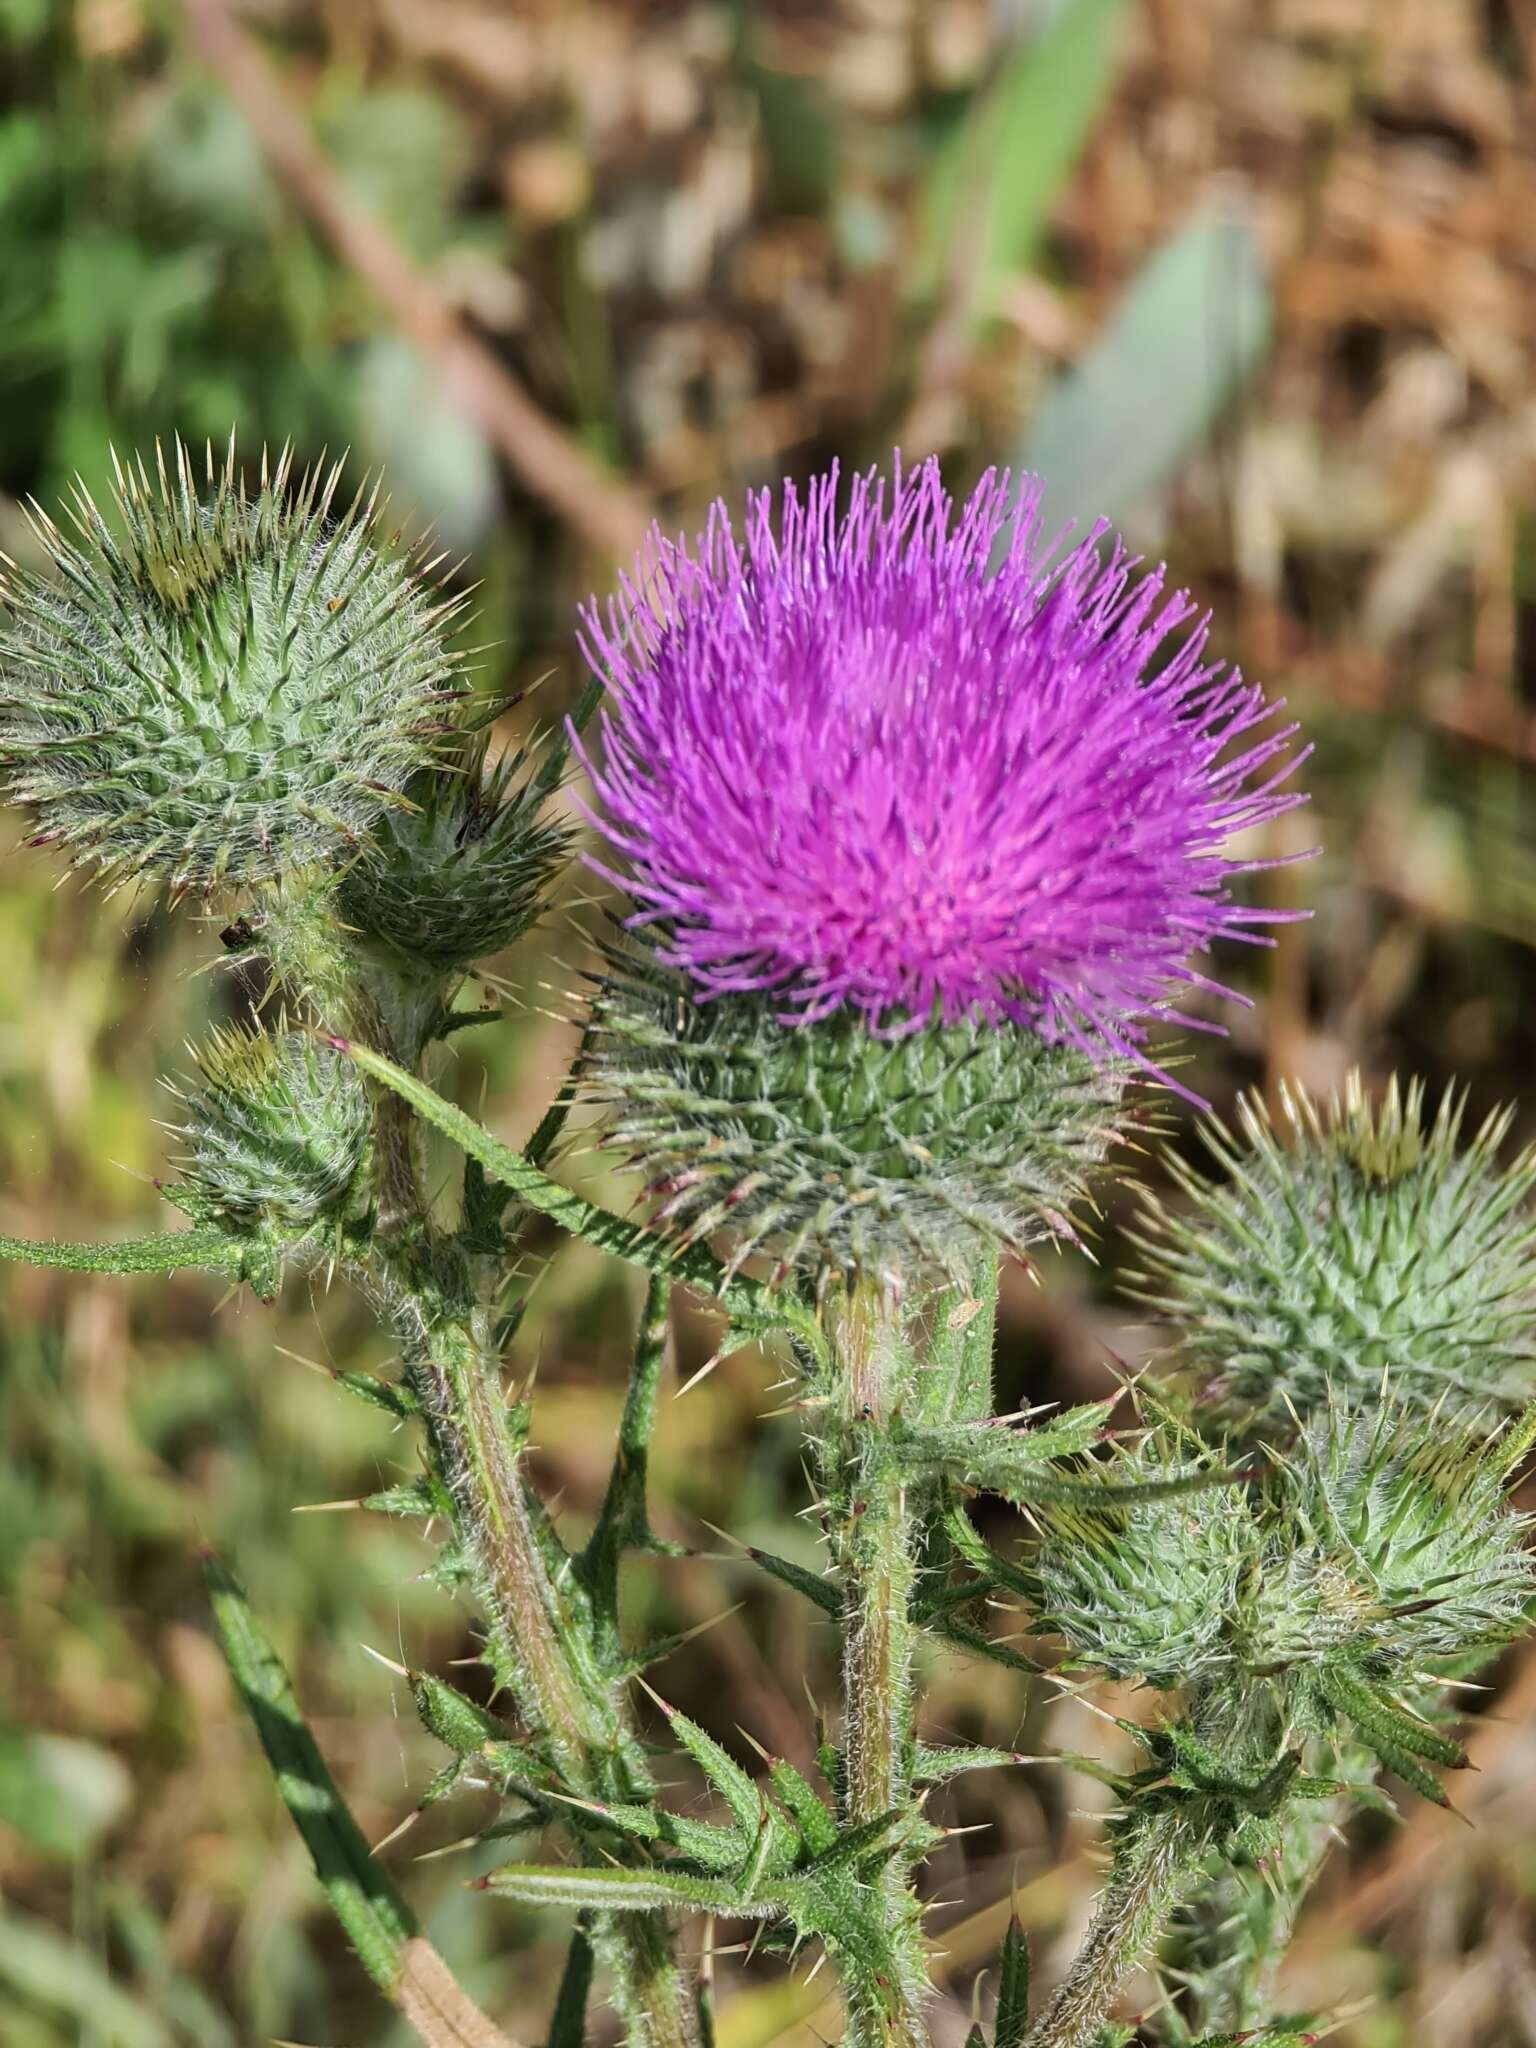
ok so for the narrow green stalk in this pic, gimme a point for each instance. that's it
(543, 1635)
(539, 1637)
(1152, 1874)
(874, 1556)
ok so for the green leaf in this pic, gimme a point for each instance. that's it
(1192, 327)
(935, 1765)
(209, 1251)
(1048, 97)
(568, 2025)
(377, 1920)
(1012, 1989)
(454, 1720)
(822, 1592)
(611, 1890)
(747, 1302)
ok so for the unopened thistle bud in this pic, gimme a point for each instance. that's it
(1380, 1548)
(1148, 1590)
(1352, 1242)
(920, 837)
(461, 873)
(230, 686)
(277, 1133)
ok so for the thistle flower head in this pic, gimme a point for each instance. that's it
(1380, 1547)
(1423, 1551)
(1352, 1241)
(230, 686)
(910, 763)
(277, 1130)
(464, 870)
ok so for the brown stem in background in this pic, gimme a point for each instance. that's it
(607, 513)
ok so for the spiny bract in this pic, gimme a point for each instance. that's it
(1363, 1242)
(834, 1149)
(232, 686)
(462, 873)
(277, 1129)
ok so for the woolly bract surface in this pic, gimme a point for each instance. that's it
(228, 685)
(1350, 1241)
(832, 1148)
(908, 762)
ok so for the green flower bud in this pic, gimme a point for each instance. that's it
(1363, 1243)
(836, 1150)
(1383, 1546)
(464, 871)
(278, 1135)
(231, 687)
(1419, 1552)
(1148, 1590)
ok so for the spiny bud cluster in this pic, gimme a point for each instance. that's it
(834, 1149)
(277, 1130)
(1372, 1553)
(232, 685)
(1353, 1242)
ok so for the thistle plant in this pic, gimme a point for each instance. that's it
(924, 829)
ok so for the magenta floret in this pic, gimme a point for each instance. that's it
(910, 760)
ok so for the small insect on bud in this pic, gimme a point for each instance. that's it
(1355, 1240)
(277, 1132)
(464, 871)
(226, 686)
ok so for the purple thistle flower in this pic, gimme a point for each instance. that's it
(918, 764)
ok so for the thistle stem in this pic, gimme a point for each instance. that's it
(540, 1647)
(874, 1554)
(1150, 1877)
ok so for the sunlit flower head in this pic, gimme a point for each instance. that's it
(905, 758)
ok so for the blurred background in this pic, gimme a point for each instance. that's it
(1255, 277)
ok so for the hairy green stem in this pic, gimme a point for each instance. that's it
(874, 1544)
(541, 1641)
(1152, 1873)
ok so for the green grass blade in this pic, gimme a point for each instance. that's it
(379, 1924)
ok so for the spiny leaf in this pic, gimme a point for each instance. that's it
(452, 1718)
(1012, 1989)
(744, 1299)
(821, 1591)
(933, 1766)
(211, 1251)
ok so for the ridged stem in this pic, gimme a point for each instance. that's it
(1152, 1874)
(874, 1542)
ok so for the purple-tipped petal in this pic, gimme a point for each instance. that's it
(906, 759)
